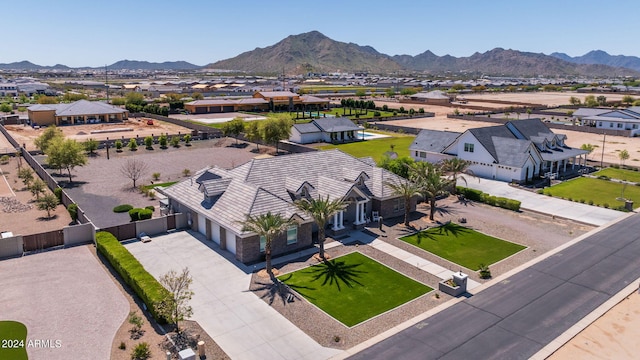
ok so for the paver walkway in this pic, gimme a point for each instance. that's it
(588, 214)
(243, 325)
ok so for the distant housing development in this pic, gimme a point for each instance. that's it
(217, 200)
(79, 112)
(261, 101)
(516, 151)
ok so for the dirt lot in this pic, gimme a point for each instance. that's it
(542, 98)
(25, 218)
(26, 134)
(612, 336)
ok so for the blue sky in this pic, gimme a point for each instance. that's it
(98, 32)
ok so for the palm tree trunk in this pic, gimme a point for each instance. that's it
(407, 209)
(321, 239)
(267, 258)
(432, 207)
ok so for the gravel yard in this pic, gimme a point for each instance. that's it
(100, 185)
(540, 233)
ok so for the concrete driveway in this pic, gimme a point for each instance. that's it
(545, 204)
(242, 324)
(63, 295)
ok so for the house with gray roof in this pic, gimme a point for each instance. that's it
(78, 112)
(612, 119)
(217, 200)
(329, 130)
(516, 151)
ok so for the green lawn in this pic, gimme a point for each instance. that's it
(165, 184)
(354, 287)
(376, 147)
(13, 336)
(621, 174)
(599, 191)
(463, 246)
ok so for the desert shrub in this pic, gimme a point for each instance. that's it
(145, 214)
(118, 145)
(141, 352)
(162, 140)
(122, 208)
(186, 172)
(122, 345)
(133, 273)
(187, 139)
(134, 214)
(156, 176)
(58, 193)
(4, 159)
(484, 271)
(175, 141)
(73, 211)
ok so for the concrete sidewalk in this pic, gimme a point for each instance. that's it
(545, 204)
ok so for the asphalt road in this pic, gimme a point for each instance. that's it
(517, 317)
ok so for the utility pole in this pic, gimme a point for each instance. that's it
(106, 81)
(602, 157)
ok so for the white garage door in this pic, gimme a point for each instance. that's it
(202, 225)
(231, 242)
(215, 233)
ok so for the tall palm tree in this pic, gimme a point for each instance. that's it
(321, 210)
(270, 226)
(406, 189)
(455, 167)
(432, 183)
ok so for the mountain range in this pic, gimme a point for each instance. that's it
(315, 52)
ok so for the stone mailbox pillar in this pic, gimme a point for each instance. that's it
(628, 205)
(461, 280)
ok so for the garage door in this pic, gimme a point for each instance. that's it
(215, 233)
(231, 242)
(202, 225)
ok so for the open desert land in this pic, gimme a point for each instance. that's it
(542, 98)
(137, 127)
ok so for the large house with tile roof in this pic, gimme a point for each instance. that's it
(217, 200)
(260, 101)
(78, 112)
(612, 119)
(328, 130)
(516, 151)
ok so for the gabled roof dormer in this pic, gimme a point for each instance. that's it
(298, 188)
(355, 176)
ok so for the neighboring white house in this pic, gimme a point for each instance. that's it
(612, 119)
(516, 151)
(324, 130)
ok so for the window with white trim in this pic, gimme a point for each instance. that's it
(263, 243)
(468, 147)
(292, 235)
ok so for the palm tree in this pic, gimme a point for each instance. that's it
(455, 167)
(320, 210)
(431, 182)
(270, 226)
(406, 189)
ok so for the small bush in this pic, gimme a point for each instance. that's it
(590, 202)
(145, 214)
(604, 177)
(134, 214)
(73, 211)
(186, 172)
(570, 199)
(122, 346)
(58, 193)
(484, 271)
(122, 208)
(156, 176)
(133, 145)
(141, 352)
(582, 201)
(4, 159)
(118, 144)
(148, 143)
(133, 273)
(150, 207)
(606, 205)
